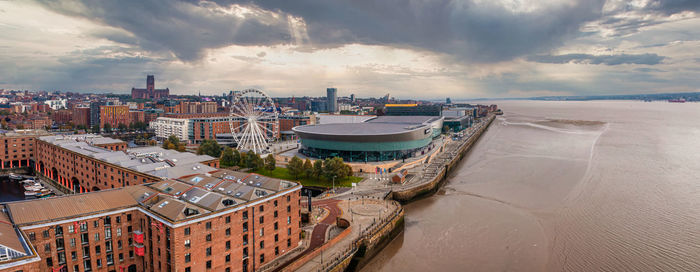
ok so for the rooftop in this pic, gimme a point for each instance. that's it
(172, 199)
(152, 160)
(380, 125)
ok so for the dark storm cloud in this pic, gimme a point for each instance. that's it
(484, 31)
(673, 6)
(185, 29)
(648, 59)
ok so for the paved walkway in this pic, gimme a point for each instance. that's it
(318, 235)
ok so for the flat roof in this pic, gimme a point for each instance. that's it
(380, 125)
(152, 160)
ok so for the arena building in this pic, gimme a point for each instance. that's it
(382, 138)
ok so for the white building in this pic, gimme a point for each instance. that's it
(165, 126)
(56, 104)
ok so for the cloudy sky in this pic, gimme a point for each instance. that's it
(408, 48)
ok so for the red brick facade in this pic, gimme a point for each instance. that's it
(81, 116)
(114, 115)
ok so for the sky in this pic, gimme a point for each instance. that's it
(422, 49)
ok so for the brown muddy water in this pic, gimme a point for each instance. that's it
(565, 186)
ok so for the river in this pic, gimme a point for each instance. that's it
(565, 186)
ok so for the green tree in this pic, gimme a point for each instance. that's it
(253, 161)
(318, 168)
(209, 147)
(270, 162)
(295, 167)
(334, 168)
(96, 129)
(308, 168)
(108, 128)
(242, 161)
(236, 157)
(226, 159)
(122, 127)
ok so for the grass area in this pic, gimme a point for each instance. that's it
(283, 173)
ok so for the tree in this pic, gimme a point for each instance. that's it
(334, 168)
(121, 127)
(445, 129)
(270, 162)
(243, 159)
(209, 147)
(227, 157)
(236, 157)
(253, 161)
(96, 129)
(295, 167)
(318, 168)
(108, 128)
(308, 168)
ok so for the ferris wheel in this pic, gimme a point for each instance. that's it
(254, 120)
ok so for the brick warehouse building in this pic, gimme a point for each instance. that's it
(84, 163)
(218, 221)
(17, 148)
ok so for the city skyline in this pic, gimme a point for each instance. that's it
(471, 49)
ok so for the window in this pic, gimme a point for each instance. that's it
(288, 198)
(275, 226)
(262, 219)
(110, 259)
(108, 233)
(47, 247)
(208, 225)
(121, 257)
(72, 242)
(187, 231)
(84, 239)
(275, 214)
(187, 243)
(289, 220)
(289, 242)
(128, 229)
(228, 219)
(46, 234)
(208, 237)
(228, 245)
(99, 262)
(87, 265)
(289, 231)
(262, 244)
(245, 226)
(245, 252)
(71, 229)
(97, 236)
(262, 258)
(208, 251)
(118, 219)
(276, 238)
(73, 255)
(119, 231)
(97, 223)
(188, 269)
(245, 239)
(209, 264)
(245, 215)
(187, 258)
(31, 236)
(275, 203)
(119, 244)
(128, 217)
(277, 251)
(289, 208)
(86, 252)
(108, 246)
(59, 231)
(262, 208)
(49, 262)
(59, 243)
(107, 221)
(98, 250)
(228, 231)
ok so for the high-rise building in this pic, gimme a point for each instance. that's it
(95, 113)
(332, 97)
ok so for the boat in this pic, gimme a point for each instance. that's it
(44, 193)
(15, 176)
(30, 193)
(680, 100)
